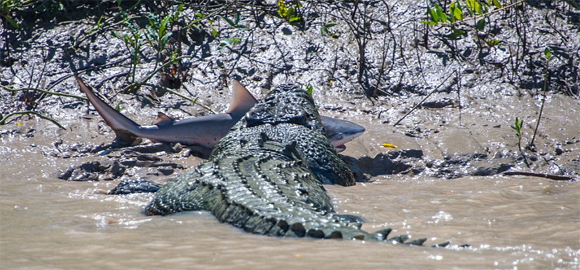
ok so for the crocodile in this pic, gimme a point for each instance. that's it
(266, 176)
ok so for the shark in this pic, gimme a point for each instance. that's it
(203, 131)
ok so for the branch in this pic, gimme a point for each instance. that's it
(3, 121)
(42, 91)
(419, 104)
(549, 176)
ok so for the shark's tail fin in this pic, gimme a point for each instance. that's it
(124, 128)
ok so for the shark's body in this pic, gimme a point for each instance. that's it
(204, 131)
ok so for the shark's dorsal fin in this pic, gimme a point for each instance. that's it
(242, 100)
(163, 120)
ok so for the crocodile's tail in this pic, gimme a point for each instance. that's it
(239, 216)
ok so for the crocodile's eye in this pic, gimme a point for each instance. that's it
(292, 114)
(258, 114)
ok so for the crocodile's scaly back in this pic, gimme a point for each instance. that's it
(266, 175)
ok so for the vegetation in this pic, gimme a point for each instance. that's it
(375, 48)
(518, 126)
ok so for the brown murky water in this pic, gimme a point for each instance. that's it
(46, 223)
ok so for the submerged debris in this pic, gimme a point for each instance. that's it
(134, 186)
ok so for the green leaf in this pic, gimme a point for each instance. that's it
(452, 11)
(477, 7)
(99, 22)
(433, 14)
(228, 21)
(496, 4)
(237, 18)
(456, 34)
(493, 42)
(12, 22)
(440, 13)
(480, 24)
(547, 53)
(294, 18)
(289, 12)
(214, 32)
(469, 4)
(309, 89)
(430, 23)
(228, 42)
(165, 38)
(153, 20)
(455, 11)
(163, 25)
(518, 126)
(297, 3)
(473, 6)
(282, 10)
(175, 14)
(324, 28)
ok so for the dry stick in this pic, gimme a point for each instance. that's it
(192, 100)
(3, 120)
(147, 78)
(541, 108)
(42, 91)
(157, 70)
(549, 176)
(419, 104)
(458, 83)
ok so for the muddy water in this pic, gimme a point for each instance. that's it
(48, 223)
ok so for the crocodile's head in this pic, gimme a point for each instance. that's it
(286, 104)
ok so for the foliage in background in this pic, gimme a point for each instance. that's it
(291, 11)
(154, 31)
(463, 11)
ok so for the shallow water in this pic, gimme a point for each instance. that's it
(516, 222)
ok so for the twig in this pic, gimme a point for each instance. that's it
(3, 121)
(42, 91)
(544, 175)
(148, 77)
(193, 101)
(541, 108)
(458, 83)
(421, 102)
